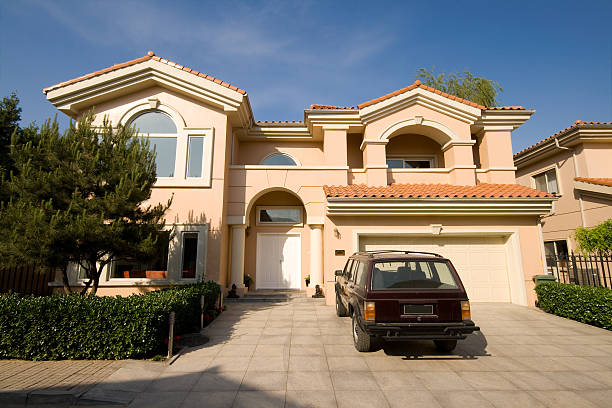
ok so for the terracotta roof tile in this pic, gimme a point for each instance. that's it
(418, 84)
(602, 181)
(150, 56)
(482, 190)
(330, 107)
(577, 124)
(279, 122)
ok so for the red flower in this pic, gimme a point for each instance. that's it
(165, 340)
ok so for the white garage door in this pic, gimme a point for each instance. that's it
(480, 261)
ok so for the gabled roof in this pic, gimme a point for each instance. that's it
(600, 181)
(418, 84)
(150, 56)
(483, 190)
(576, 125)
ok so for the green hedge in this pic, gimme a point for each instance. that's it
(585, 304)
(98, 327)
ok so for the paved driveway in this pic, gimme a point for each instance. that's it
(300, 354)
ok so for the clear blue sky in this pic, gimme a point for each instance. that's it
(551, 56)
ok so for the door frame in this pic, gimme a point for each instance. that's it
(258, 257)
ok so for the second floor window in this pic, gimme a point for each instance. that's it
(410, 163)
(279, 159)
(547, 182)
(161, 131)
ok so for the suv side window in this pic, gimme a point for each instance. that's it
(351, 272)
(361, 274)
(347, 268)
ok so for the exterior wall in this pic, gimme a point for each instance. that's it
(591, 161)
(415, 145)
(525, 257)
(190, 204)
(307, 154)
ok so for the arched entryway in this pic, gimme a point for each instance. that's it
(276, 238)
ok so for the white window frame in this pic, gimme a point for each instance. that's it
(273, 207)
(544, 171)
(180, 178)
(431, 159)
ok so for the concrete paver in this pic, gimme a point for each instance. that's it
(299, 354)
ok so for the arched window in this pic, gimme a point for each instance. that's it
(162, 134)
(279, 159)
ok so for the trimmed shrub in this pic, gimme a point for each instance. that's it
(585, 304)
(96, 327)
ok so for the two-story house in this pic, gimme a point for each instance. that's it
(414, 169)
(575, 165)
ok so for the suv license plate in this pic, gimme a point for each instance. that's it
(418, 309)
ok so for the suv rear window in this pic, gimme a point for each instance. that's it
(412, 275)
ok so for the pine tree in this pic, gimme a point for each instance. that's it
(80, 198)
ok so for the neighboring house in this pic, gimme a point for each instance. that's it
(575, 164)
(415, 169)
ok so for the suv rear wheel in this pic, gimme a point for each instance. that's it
(340, 309)
(445, 345)
(362, 341)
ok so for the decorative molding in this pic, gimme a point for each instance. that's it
(593, 189)
(235, 220)
(438, 206)
(419, 120)
(454, 143)
(263, 167)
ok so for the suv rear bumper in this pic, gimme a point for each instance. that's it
(421, 331)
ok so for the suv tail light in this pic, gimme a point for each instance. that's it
(465, 310)
(369, 311)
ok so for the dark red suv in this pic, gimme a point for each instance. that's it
(403, 295)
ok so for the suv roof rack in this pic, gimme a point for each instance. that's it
(384, 251)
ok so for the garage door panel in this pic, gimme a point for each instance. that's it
(481, 261)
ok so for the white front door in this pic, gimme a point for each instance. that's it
(278, 261)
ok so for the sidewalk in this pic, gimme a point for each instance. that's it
(60, 382)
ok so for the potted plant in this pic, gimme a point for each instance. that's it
(307, 279)
(247, 281)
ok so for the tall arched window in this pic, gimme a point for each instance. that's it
(161, 131)
(279, 159)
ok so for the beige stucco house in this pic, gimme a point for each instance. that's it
(575, 165)
(414, 169)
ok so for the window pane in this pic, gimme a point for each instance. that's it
(540, 182)
(413, 275)
(190, 255)
(154, 268)
(279, 160)
(551, 178)
(361, 274)
(395, 164)
(195, 154)
(285, 216)
(165, 149)
(154, 122)
(417, 164)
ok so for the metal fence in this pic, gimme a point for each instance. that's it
(26, 280)
(589, 270)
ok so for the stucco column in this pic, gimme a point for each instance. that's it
(495, 151)
(375, 161)
(334, 144)
(238, 240)
(316, 255)
(458, 156)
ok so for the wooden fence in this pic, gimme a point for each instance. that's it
(26, 280)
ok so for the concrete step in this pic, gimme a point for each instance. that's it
(274, 296)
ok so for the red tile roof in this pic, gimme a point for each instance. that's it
(279, 122)
(602, 181)
(150, 56)
(577, 124)
(330, 107)
(482, 190)
(418, 84)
